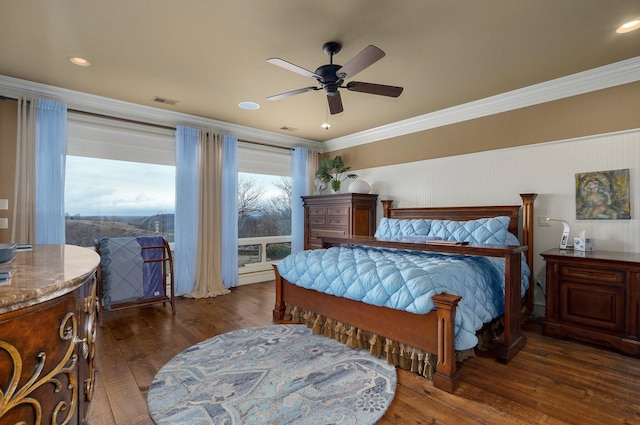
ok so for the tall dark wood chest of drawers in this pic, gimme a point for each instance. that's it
(594, 297)
(338, 215)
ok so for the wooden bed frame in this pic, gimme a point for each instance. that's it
(432, 332)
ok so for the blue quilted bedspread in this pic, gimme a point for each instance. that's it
(406, 280)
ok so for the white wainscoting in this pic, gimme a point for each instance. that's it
(497, 177)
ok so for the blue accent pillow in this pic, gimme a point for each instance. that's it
(482, 231)
(511, 239)
(393, 228)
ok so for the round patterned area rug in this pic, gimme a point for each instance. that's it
(279, 374)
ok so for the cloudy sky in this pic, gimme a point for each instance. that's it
(105, 187)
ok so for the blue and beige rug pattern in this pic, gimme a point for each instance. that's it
(279, 374)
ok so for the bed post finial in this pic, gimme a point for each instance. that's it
(527, 240)
(386, 207)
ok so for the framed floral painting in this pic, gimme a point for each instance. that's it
(603, 195)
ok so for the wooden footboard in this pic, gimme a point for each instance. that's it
(433, 332)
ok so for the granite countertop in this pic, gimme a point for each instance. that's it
(44, 273)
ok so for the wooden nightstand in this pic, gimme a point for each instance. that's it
(594, 297)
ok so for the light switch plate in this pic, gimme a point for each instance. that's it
(543, 221)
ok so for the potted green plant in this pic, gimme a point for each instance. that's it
(331, 171)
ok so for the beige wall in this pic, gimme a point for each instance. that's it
(8, 134)
(599, 112)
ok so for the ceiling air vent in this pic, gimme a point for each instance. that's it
(164, 100)
(285, 128)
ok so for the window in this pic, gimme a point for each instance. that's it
(264, 217)
(120, 180)
(264, 207)
(108, 198)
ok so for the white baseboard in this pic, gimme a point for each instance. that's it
(255, 277)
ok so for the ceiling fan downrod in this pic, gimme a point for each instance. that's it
(328, 78)
(331, 48)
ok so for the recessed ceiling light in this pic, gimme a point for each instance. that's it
(249, 106)
(629, 26)
(326, 126)
(79, 61)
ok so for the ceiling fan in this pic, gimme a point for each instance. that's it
(331, 76)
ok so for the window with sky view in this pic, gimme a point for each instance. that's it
(109, 198)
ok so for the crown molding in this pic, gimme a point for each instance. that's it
(607, 76)
(85, 102)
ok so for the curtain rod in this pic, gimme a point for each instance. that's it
(94, 114)
(166, 127)
(171, 128)
(128, 120)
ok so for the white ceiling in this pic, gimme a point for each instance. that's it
(209, 55)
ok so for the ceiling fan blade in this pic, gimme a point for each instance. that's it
(380, 89)
(335, 103)
(367, 57)
(292, 67)
(292, 92)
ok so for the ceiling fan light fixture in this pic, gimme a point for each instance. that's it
(629, 26)
(331, 90)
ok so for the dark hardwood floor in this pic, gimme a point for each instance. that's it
(548, 382)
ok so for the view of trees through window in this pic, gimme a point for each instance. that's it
(264, 208)
(264, 212)
(107, 198)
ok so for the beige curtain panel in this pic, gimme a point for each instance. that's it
(209, 259)
(23, 229)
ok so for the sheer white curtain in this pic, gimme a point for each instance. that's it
(304, 163)
(209, 256)
(186, 218)
(229, 211)
(23, 230)
(50, 159)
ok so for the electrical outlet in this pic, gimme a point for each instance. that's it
(543, 221)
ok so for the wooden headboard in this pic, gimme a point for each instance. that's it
(514, 212)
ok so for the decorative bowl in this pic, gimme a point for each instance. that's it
(7, 252)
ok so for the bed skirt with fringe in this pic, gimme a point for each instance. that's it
(398, 354)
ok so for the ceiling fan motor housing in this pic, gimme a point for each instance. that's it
(328, 78)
